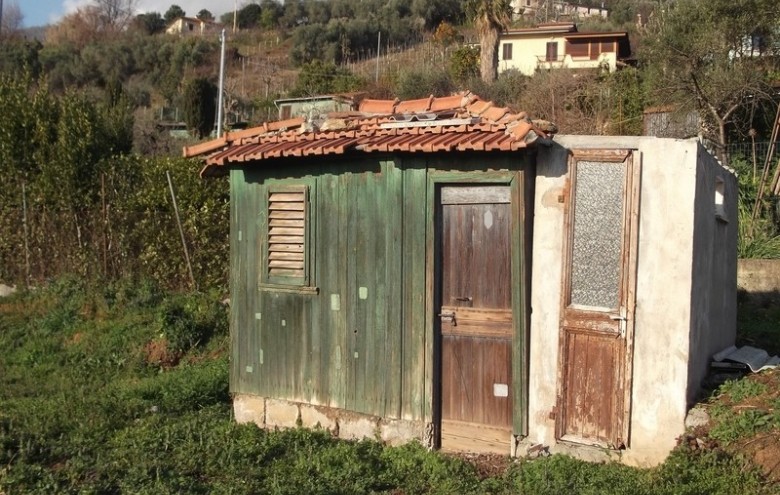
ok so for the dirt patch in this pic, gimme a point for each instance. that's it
(157, 353)
(76, 338)
(764, 449)
(487, 465)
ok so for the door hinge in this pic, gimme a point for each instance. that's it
(553, 412)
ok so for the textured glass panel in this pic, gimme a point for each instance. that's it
(598, 232)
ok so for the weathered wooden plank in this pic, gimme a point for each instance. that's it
(278, 222)
(285, 272)
(393, 297)
(413, 373)
(286, 197)
(287, 239)
(279, 206)
(522, 225)
(458, 436)
(251, 246)
(295, 248)
(355, 318)
(276, 232)
(236, 273)
(474, 195)
(330, 310)
(286, 255)
(293, 265)
(374, 337)
(282, 214)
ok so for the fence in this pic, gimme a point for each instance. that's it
(747, 151)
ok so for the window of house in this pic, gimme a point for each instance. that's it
(552, 51)
(507, 51)
(720, 200)
(287, 236)
(577, 48)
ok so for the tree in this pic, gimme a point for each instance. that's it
(149, 23)
(200, 106)
(173, 13)
(294, 14)
(434, 12)
(248, 16)
(490, 17)
(713, 57)
(205, 15)
(115, 14)
(271, 12)
(318, 78)
(11, 18)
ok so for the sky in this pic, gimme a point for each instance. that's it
(42, 12)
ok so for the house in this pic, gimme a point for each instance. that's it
(561, 46)
(555, 9)
(442, 270)
(669, 121)
(315, 105)
(188, 26)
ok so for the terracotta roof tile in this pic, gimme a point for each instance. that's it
(377, 106)
(461, 122)
(414, 106)
(494, 113)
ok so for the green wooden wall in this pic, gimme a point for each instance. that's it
(362, 341)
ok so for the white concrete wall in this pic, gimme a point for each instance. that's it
(663, 321)
(529, 54)
(714, 271)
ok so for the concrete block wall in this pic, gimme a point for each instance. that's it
(275, 413)
(759, 281)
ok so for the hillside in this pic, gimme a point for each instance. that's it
(123, 388)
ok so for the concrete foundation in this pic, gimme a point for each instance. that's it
(275, 413)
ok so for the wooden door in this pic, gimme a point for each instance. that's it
(476, 318)
(598, 299)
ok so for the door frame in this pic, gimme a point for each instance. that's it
(627, 289)
(520, 258)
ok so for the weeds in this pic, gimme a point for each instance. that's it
(85, 409)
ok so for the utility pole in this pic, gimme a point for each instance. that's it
(378, 47)
(220, 98)
(235, 15)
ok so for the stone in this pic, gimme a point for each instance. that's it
(315, 417)
(398, 432)
(7, 290)
(355, 427)
(249, 409)
(696, 417)
(280, 413)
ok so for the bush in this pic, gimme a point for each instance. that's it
(419, 84)
(190, 321)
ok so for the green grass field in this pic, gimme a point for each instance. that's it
(124, 389)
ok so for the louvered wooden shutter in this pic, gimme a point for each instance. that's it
(287, 211)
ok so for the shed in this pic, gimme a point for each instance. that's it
(313, 106)
(442, 270)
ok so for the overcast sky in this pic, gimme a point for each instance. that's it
(41, 12)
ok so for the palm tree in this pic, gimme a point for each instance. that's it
(490, 17)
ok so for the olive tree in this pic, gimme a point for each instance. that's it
(714, 57)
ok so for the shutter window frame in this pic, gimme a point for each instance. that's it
(286, 260)
(506, 49)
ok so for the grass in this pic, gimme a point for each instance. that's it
(124, 390)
